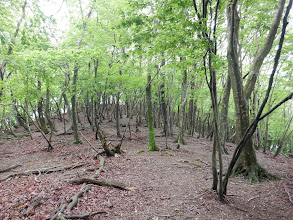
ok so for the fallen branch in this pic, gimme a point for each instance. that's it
(85, 188)
(84, 216)
(74, 199)
(101, 168)
(35, 203)
(109, 151)
(59, 210)
(100, 182)
(43, 171)
(89, 142)
(10, 168)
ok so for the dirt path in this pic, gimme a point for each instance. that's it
(166, 187)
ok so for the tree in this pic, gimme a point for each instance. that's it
(247, 162)
(152, 142)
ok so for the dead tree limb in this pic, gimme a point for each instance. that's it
(109, 152)
(59, 210)
(101, 168)
(33, 205)
(84, 216)
(88, 142)
(85, 188)
(74, 199)
(100, 182)
(43, 171)
(10, 168)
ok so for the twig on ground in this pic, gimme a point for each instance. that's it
(252, 198)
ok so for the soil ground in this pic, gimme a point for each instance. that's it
(165, 187)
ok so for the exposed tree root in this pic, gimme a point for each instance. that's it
(9, 168)
(74, 199)
(254, 173)
(43, 171)
(84, 216)
(33, 205)
(59, 210)
(100, 182)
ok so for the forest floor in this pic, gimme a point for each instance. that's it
(163, 186)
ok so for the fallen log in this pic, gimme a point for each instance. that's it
(100, 182)
(42, 171)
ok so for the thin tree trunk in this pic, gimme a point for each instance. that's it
(47, 111)
(223, 121)
(74, 107)
(40, 111)
(152, 143)
(117, 114)
(180, 137)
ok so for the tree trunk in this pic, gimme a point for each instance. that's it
(117, 115)
(152, 143)
(259, 58)
(47, 111)
(247, 162)
(282, 141)
(223, 125)
(180, 137)
(74, 107)
(40, 111)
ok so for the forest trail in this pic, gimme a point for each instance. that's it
(163, 186)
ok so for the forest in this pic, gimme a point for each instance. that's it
(146, 109)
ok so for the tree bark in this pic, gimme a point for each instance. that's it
(47, 111)
(246, 162)
(259, 58)
(40, 111)
(74, 107)
(180, 137)
(152, 142)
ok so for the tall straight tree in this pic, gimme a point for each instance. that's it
(74, 82)
(152, 142)
(180, 137)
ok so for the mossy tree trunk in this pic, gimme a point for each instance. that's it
(152, 142)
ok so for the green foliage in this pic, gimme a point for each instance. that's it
(130, 39)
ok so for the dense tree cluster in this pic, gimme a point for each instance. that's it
(171, 64)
